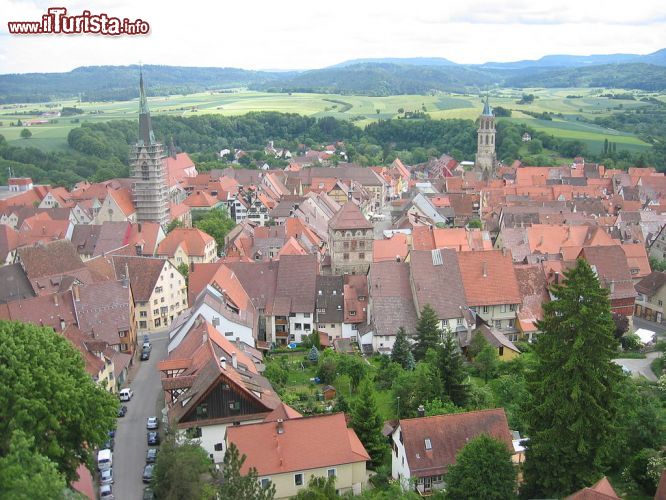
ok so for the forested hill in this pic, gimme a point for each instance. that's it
(107, 83)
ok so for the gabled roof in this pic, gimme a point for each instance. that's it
(602, 490)
(193, 241)
(610, 264)
(652, 283)
(330, 299)
(390, 249)
(488, 278)
(143, 273)
(349, 217)
(448, 434)
(390, 290)
(15, 284)
(436, 280)
(9, 241)
(201, 199)
(302, 444)
(47, 259)
(103, 308)
(123, 198)
(296, 282)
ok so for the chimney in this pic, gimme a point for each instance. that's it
(234, 360)
(485, 269)
(55, 299)
(280, 426)
(223, 363)
(421, 411)
(125, 280)
(139, 226)
(75, 291)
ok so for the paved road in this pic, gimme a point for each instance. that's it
(129, 456)
(649, 325)
(640, 367)
(381, 226)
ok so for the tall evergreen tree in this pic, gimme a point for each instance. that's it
(239, 487)
(368, 423)
(452, 371)
(483, 470)
(573, 388)
(428, 333)
(401, 349)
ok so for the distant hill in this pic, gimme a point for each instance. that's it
(383, 79)
(627, 76)
(416, 61)
(105, 83)
(569, 61)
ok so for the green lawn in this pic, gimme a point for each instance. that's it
(362, 109)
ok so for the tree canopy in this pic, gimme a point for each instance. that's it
(367, 422)
(180, 471)
(573, 387)
(428, 333)
(483, 471)
(48, 396)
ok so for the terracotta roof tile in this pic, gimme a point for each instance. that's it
(143, 273)
(349, 217)
(390, 249)
(489, 278)
(302, 444)
(448, 434)
(391, 292)
(192, 240)
(436, 280)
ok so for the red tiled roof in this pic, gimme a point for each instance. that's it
(488, 278)
(349, 217)
(602, 490)
(390, 249)
(448, 434)
(123, 198)
(192, 240)
(305, 443)
(200, 199)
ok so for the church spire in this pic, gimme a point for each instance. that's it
(146, 136)
(487, 110)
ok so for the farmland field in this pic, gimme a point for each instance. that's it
(568, 105)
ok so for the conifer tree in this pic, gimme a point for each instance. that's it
(452, 371)
(401, 351)
(428, 333)
(573, 388)
(240, 487)
(367, 422)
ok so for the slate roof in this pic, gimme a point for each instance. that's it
(349, 217)
(330, 298)
(448, 434)
(436, 280)
(304, 443)
(390, 290)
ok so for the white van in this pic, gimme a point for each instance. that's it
(125, 394)
(104, 459)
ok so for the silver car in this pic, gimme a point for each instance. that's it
(152, 423)
(106, 476)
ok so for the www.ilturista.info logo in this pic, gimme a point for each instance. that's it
(56, 21)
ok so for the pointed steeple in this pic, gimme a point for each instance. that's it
(146, 136)
(487, 110)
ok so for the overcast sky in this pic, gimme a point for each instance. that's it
(301, 34)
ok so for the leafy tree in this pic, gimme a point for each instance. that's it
(439, 407)
(387, 372)
(216, 223)
(621, 325)
(26, 474)
(239, 487)
(475, 224)
(477, 343)
(573, 387)
(341, 403)
(327, 367)
(367, 422)
(483, 470)
(180, 471)
(277, 375)
(353, 366)
(26, 134)
(401, 349)
(175, 223)
(48, 395)
(452, 371)
(486, 361)
(319, 488)
(414, 388)
(184, 269)
(428, 333)
(535, 146)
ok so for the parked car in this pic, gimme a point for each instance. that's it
(106, 476)
(145, 355)
(104, 459)
(153, 438)
(145, 338)
(148, 473)
(152, 423)
(110, 443)
(125, 394)
(122, 411)
(146, 346)
(106, 492)
(148, 493)
(151, 455)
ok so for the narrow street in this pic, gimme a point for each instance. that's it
(129, 456)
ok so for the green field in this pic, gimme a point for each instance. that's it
(361, 109)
